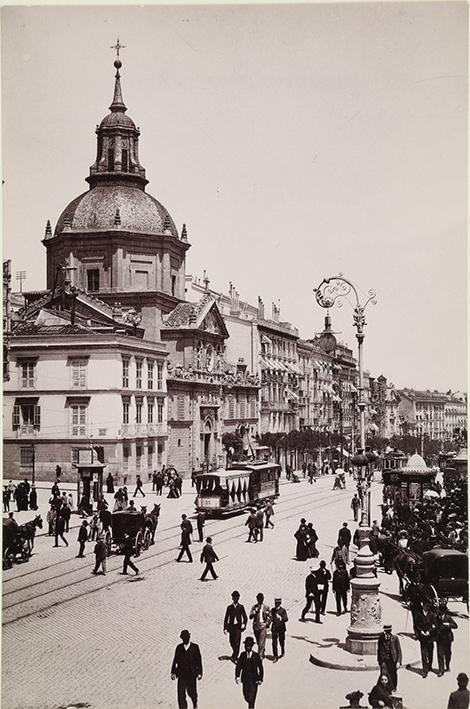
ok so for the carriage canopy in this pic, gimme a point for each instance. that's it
(445, 564)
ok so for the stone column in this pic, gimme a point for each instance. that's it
(366, 612)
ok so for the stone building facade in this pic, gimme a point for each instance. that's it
(384, 413)
(431, 413)
(83, 378)
(207, 396)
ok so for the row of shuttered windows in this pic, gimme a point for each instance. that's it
(139, 374)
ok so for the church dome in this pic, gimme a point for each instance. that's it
(108, 207)
(117, 199)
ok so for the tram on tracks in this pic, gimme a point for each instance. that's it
(392, 463)
(236, 488)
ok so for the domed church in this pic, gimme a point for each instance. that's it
(111, 358)
(118, 239)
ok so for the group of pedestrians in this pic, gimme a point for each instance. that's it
(208, 555)
(58, 515)
(307, 538)
(187, 667)
(258, 520)
(24, 495)
(264, 619)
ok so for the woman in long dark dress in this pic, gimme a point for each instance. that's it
(110, 484)
(312, 538)
(33, 499)
(301, 551)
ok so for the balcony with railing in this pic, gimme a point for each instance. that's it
(27, 431)
(143, 430)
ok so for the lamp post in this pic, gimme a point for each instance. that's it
(366, 613)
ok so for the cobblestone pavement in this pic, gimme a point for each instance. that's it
(107, 642)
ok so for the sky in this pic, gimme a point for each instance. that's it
(295, 141)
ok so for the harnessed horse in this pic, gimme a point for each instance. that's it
(28, 530)
(151, 521)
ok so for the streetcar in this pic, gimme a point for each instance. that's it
(392, 463)
(240, 486)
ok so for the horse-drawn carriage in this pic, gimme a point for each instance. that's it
(446, 570)
(139, 526)
(18, 541)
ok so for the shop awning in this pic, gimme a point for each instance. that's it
(265, 363)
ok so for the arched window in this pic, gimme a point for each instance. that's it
(124, 161)
(111, 160)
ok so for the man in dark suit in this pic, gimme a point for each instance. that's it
(279, 619)
(208, 556)
(186, 531)
(389, 654)
(187, 667)
(426, 630)
(250, 670)
(323, 579)
(344, 536)
(201, 521)
(235, 622)
(312, 595)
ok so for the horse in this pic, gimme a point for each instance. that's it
(408, 566)
(28, 531)
(151, 521)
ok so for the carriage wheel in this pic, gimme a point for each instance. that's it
(435, 594)
(147, 539)
(8, 559)
(139, 541)
(24, 551)
(108, 542)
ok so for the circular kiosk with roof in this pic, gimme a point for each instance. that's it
(415, 478)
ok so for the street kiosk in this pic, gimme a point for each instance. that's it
(89, 482)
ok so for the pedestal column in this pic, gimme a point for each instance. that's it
(366, 612)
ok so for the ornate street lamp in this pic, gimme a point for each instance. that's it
(366, 612)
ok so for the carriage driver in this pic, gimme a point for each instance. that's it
(12, 523)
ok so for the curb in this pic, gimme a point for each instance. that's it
(357, 667)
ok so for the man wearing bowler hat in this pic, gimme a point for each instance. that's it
(187, 667)
(250, 670)
(235, 622)
(312, 595)
(389, 654)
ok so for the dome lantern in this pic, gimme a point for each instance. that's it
(117, 154)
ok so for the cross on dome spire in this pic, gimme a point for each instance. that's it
(118, 103)
(118, 46)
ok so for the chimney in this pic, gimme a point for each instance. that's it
(260, 309)
(235, 301)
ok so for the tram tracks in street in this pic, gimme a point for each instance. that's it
(160, 537)
(307, 506)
